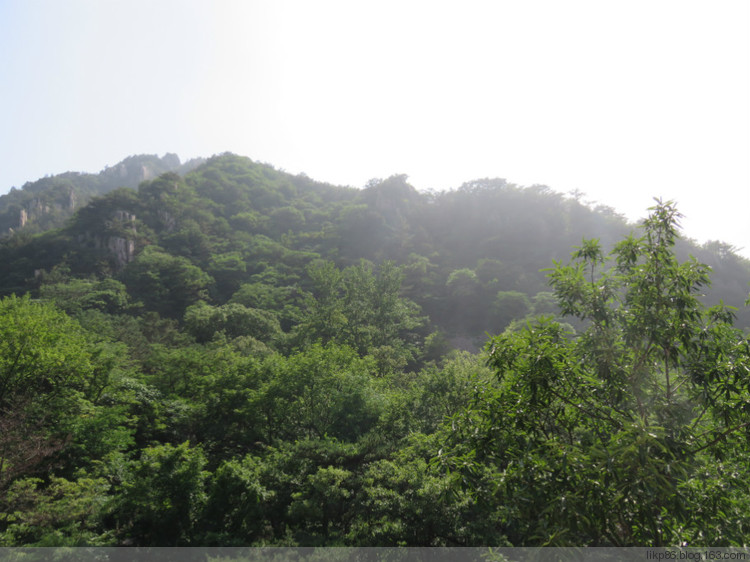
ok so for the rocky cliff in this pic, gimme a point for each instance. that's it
(50, 201)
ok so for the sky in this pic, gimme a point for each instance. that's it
(623, 101)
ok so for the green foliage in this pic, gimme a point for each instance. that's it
(443, 392)
(43, 354)
(321, 503)
(403, 502)
(161, 496)
(364, 310)
(544, 303)
(509, 305)
(228, 270)
(238, 356)
(598, 439)
(48, 202)
(165, 283)
(285, 497)
(285, 219)
(234, 320)
(235, 506)
(325, 318)
(63, 513)
(462, 282)
(47, 370)
(285, 301)
(61, 412)
(322, 391)
(76, 295)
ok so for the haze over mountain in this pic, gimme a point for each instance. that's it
(525, 228)
(623, 102)
(227, 354)
(372, 339)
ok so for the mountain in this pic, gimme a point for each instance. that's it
(463, 252)
(230, 355)
(46, 203)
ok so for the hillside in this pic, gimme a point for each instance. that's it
(238, 222)
(48, 202)
(233, 355)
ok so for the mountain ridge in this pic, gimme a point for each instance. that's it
(238, 356)
(47, 202)
(459, 249)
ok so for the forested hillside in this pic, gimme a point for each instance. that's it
(233, 355)
(50, 201)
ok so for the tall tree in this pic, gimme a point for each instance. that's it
(48, 370)
(602, 438)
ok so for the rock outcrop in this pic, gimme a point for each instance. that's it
(118, 238)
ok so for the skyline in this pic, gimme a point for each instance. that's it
(622, 103)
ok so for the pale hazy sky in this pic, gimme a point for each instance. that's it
(623, 100)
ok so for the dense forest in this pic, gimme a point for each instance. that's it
(219, 353)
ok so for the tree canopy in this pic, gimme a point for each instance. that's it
(606, 436)
(231, 355)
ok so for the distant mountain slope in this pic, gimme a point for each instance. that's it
(472, 258)
(46, 203)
